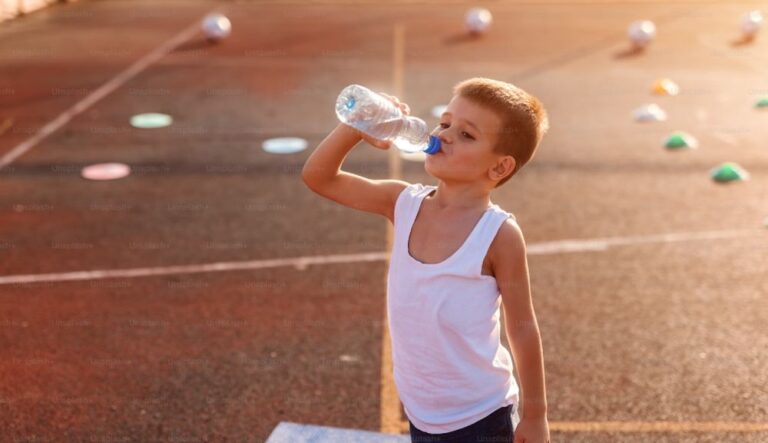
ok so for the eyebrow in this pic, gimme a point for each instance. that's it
(468, 122)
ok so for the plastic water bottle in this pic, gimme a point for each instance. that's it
(377, 116)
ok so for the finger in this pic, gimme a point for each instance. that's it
(406, 108)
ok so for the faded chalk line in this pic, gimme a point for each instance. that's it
(555, 247)
(104, 90)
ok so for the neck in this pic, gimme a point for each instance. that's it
(460, 197)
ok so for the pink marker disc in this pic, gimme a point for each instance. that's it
(106, 171)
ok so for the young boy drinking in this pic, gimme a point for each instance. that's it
(456, 258)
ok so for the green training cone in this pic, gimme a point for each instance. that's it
(729, 171)
(680, 140)
(762, 102)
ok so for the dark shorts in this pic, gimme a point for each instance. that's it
(495, 428)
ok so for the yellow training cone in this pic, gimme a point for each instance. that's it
(665, 86)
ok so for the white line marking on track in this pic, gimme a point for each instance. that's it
(656, 426)
(104, 90)
(556, 247)
(601, 244)
(297, 262)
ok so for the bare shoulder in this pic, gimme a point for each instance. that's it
(510, 266)
(508, 246)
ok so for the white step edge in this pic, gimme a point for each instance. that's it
(288, 432)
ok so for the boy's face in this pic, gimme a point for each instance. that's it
(468, 132)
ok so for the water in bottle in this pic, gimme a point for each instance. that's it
(377, 116)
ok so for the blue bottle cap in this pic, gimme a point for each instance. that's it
(434, 145)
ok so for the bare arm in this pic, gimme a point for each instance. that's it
(511, 269)
(325, 162)
(322, 172)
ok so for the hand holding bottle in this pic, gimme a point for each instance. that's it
(385, 144)
(383, 121)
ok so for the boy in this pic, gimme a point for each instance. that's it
(453, 253)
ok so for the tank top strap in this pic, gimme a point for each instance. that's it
(481, 240)
(406, 208)
(407, 204)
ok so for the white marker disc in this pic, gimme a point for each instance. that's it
(284, 145)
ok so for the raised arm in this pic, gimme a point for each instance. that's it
(323, 175)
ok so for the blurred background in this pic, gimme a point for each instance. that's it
(165, 274)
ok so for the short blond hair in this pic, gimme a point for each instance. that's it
(524, 120)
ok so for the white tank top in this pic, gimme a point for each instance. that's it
(450, 368)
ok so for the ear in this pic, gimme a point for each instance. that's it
(504, 166)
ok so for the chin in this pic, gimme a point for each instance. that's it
(429, 169)
(435, 172)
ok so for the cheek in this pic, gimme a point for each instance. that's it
(465, 161)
